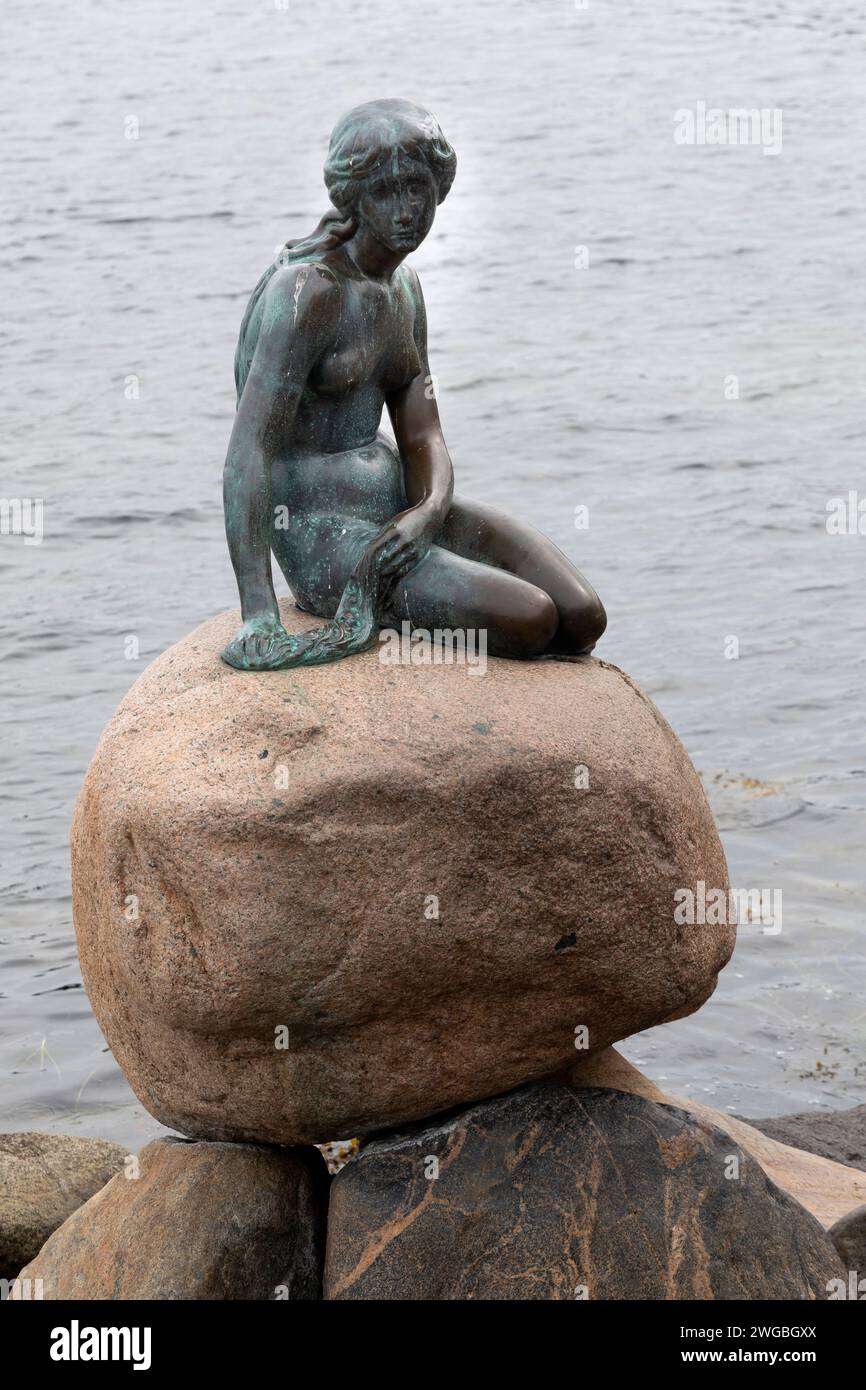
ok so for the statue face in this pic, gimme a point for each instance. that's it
(398, 203)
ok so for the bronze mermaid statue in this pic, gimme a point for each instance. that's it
(368, 534)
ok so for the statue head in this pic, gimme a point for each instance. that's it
(388, 168)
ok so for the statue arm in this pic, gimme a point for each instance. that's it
(295, 327)
(428, 474)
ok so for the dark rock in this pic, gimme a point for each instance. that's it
(201, 1221)
(836, 1134)
(43, 1179)
(554, 1193)
(849, 1238)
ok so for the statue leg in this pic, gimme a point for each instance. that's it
(447, 590)
(486, 571)
(488, 536)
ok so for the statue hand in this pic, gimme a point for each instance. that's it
(403, 543)
(258, 644)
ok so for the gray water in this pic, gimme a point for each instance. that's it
(559, 387)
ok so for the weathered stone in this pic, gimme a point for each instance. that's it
(43, 1178)
(200, 1221)
(555, 1193)
(824, 1187)
(836, 1134)
(260, 859)
(849, 1238)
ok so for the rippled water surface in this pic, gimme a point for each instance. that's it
(603, 387)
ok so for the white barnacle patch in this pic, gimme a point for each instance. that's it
(303, 275)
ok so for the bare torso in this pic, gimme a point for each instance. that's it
(372, 352)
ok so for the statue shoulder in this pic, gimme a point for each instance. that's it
(301, 288)
(409, 278)
(411, 286)
(297, 297)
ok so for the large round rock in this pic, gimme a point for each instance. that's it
(313, 903)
